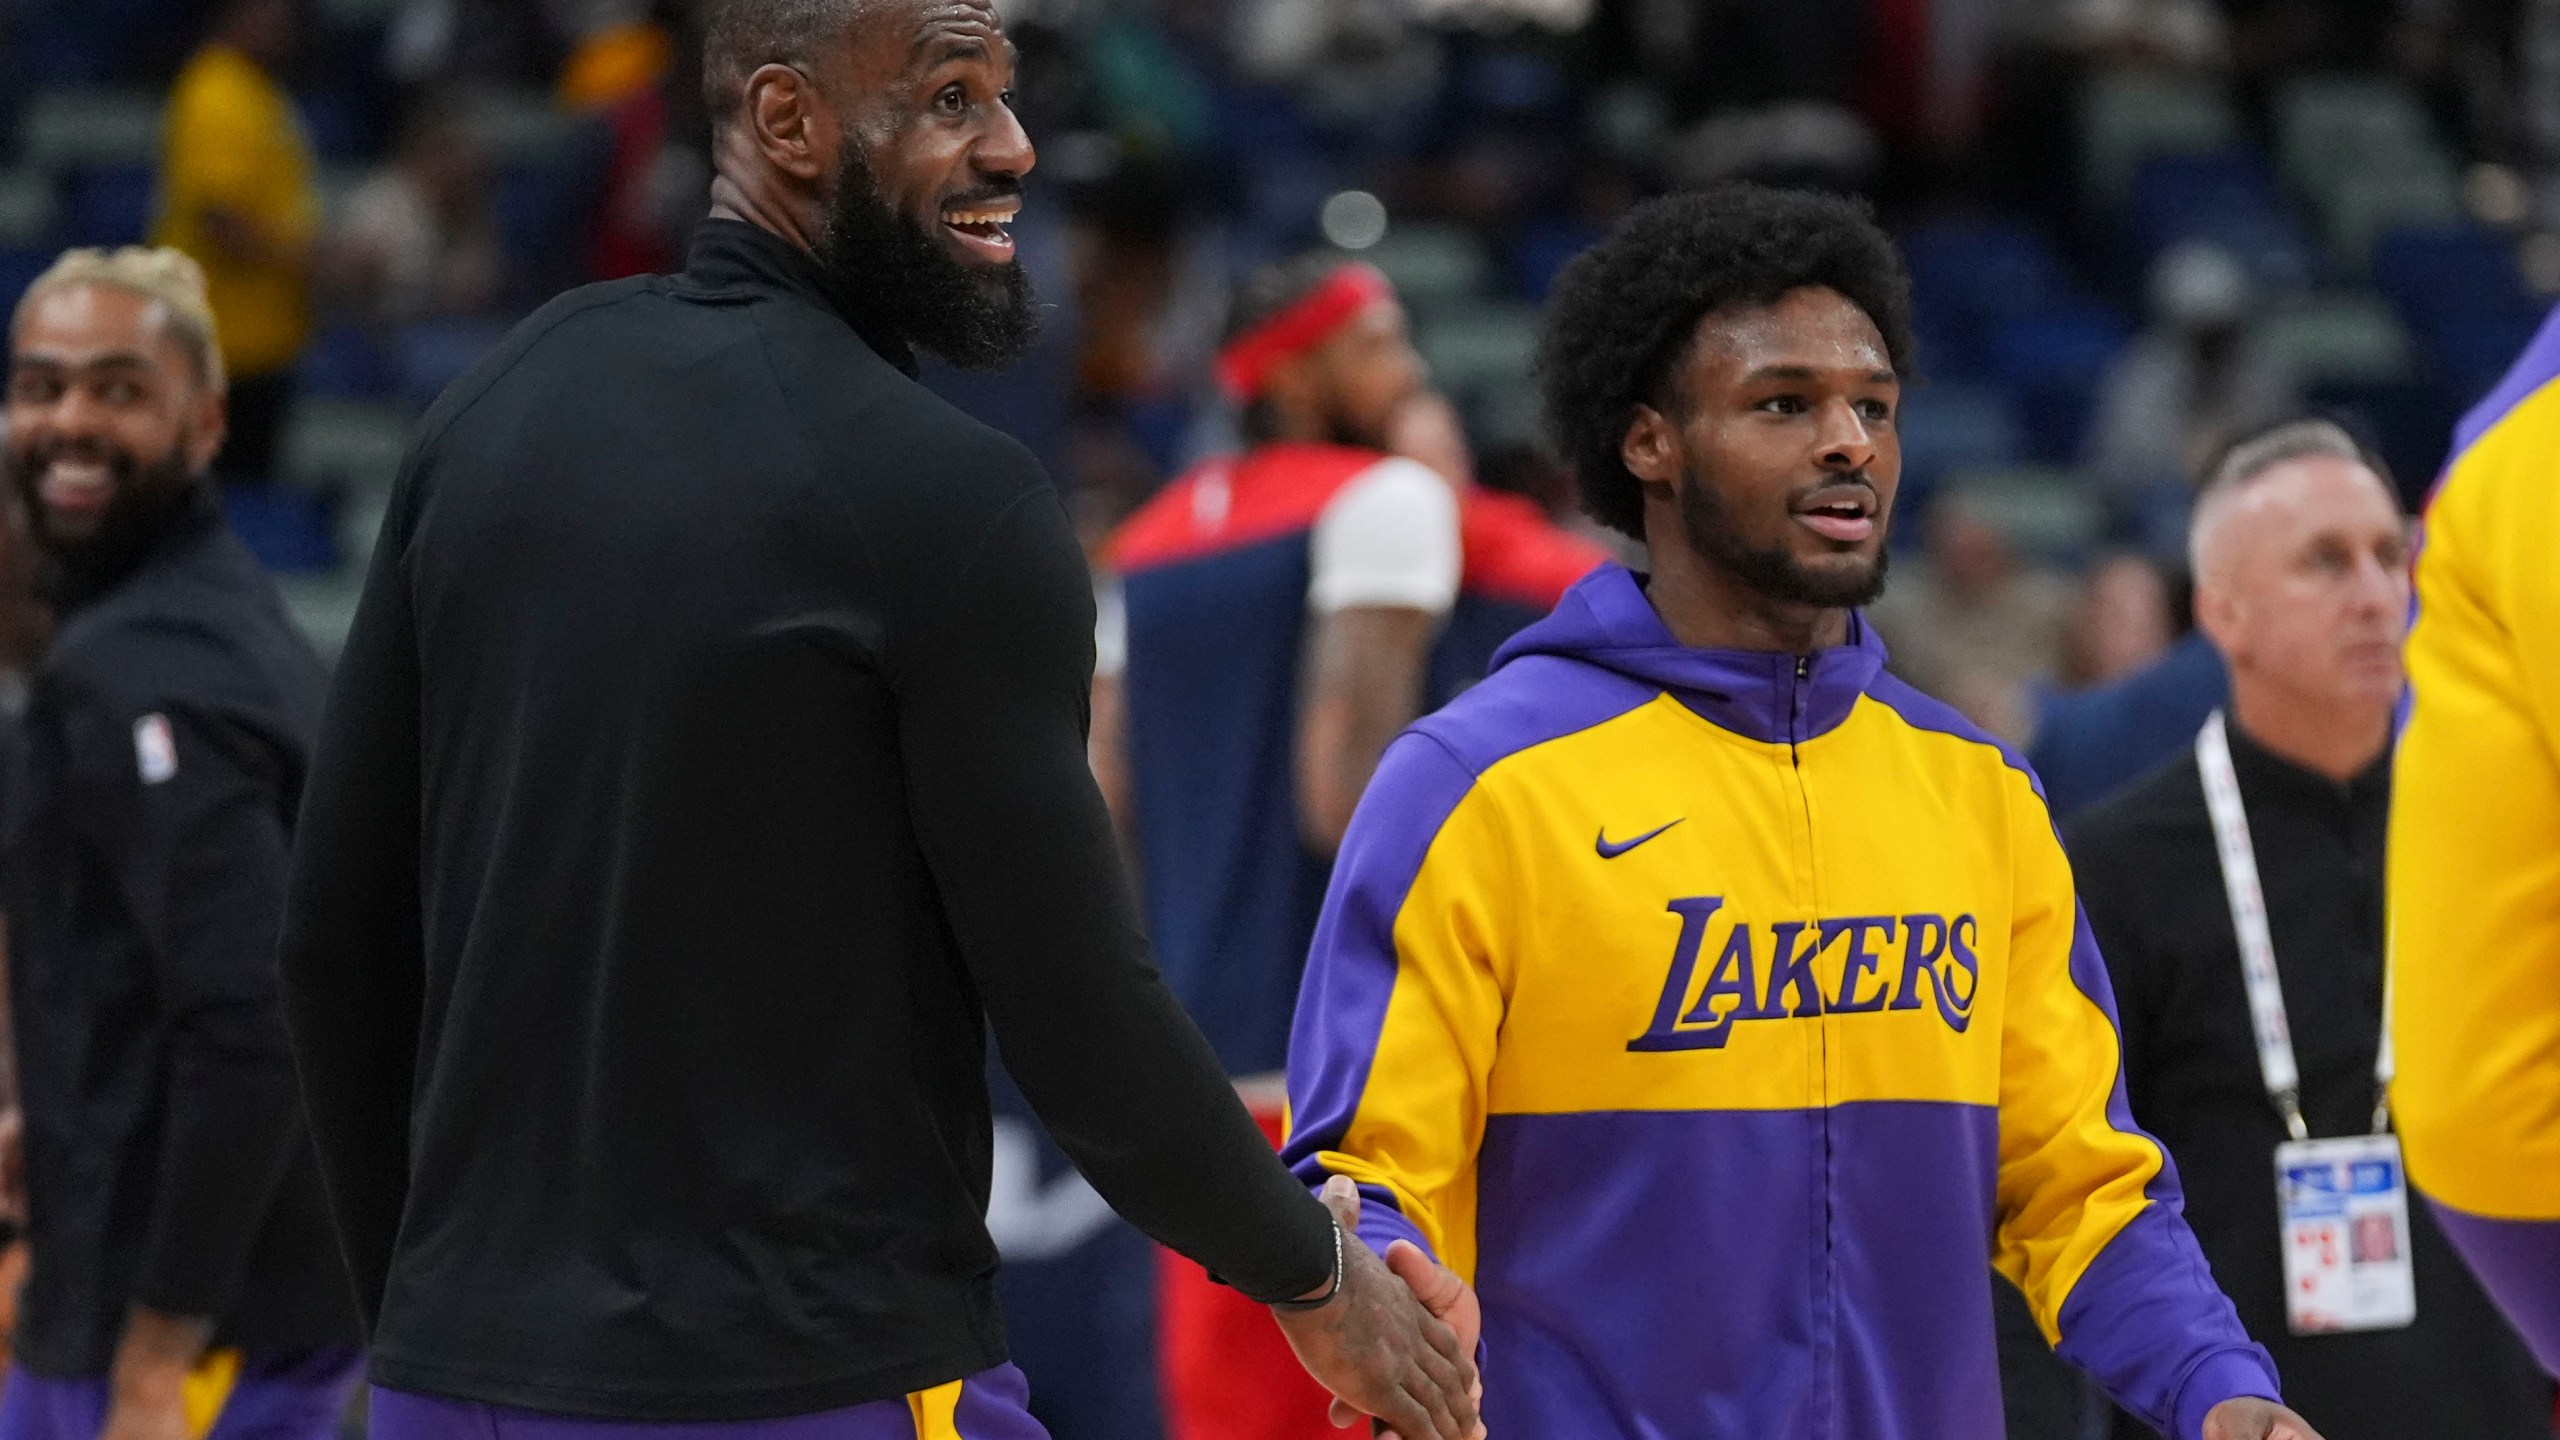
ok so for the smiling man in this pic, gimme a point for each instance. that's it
(179, 1246)
(1715, 1003)
(705, 774)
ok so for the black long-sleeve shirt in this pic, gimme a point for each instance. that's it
(2148, 876)
(705, 771)
(150, 804)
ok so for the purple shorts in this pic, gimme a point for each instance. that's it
(990, 1405)
(283, 1395)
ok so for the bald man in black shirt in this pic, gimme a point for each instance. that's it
(705, 771)
(2302, 582)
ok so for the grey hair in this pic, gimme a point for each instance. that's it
(2255, 455)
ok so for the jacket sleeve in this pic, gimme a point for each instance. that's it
(2474, 869)
(1401, 1007)
(992, 665)
(2091, 1227)
(353, 955)
(194, 810)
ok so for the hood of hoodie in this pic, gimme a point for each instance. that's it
(1605, 620)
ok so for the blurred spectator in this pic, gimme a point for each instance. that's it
(2089, 743)
(2185, 34)
(174, 1200)
(620, 66)
(2182, 389)
(2302, 582)
(420, 239)
(1972, 625)
(2123, 622)
(236, 194)
(1276, 621)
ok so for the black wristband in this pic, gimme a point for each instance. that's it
(1318, 1302)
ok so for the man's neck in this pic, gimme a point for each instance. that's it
(1707, 607)
(767, 211)
(2338, 742)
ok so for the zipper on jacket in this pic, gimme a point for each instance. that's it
(1795, 705)
(1826, 1298)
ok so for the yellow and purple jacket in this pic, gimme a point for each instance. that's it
(2474, 865)
(1725, 1018)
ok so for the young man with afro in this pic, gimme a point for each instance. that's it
(1716, 1004)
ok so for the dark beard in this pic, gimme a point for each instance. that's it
(1772, 572)
(908, 281)
(148, 500)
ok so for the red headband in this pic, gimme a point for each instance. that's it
(1246, 362)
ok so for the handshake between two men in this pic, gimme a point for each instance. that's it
(1396, 1339)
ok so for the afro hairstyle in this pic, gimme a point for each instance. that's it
(1625, 312)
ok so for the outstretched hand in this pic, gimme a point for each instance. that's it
(2250, 1418)
(1450, 1300)
(1379, 1349)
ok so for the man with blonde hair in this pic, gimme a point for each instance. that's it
(183, 1277)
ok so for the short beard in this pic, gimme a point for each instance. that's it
(148, 499)
(906, 279)
(1771, 572)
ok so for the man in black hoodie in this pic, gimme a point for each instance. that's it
(181, 1250)
(704, 774)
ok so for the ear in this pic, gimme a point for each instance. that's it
(2218, 615)
(1651, 447)
(210, 421)
(785, 118)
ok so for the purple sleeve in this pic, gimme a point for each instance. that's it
(1352, 970)
(2147, 1322)
(2518, 1264)
(2146, 1319)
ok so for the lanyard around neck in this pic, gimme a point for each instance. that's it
(2267, 1022)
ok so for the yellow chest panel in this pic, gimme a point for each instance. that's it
(1702, 921)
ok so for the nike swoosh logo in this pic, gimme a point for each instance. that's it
(1612, 852)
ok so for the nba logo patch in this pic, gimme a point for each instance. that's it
(155, 749)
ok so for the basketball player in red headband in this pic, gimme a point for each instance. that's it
(1282, 615)
(1280, 608)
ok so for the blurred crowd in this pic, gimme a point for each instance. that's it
(2136, 229)
(2135, 226)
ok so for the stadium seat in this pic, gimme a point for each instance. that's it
(2128, 117)
(2432, 270)
(324, 606)
(2229, 198)
(514, 127)
(2330, 127)
(433, 354)
(289, 529)
(2364, 205)
(345, 362)
(19, 267)
(2458, 289)
(2044, 512)
(1967, 276)
(1504, 414)
(64, 129)
(2410, 422)
(346, 446)
(1432, 265)
(2347, 339)
(1546, 245)
(1480, 345)
(28, 208)
(2052, 361)
(108, 204)
(1951, 427)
